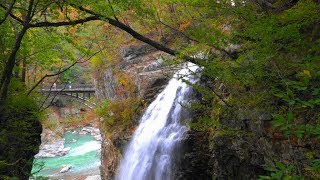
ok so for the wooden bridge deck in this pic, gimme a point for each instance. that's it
(72, 90)
(81, 93)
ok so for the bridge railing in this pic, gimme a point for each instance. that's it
(69, 86)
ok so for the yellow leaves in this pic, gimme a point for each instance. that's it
(306, 72)
(126, 83)
(184, 25)
(61, 15)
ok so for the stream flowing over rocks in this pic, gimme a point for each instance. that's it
(54, 147)
(77, 155)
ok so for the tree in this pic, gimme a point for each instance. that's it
(252, 47)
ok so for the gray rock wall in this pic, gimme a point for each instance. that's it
(241, 153)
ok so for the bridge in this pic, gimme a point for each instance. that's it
(81, 93)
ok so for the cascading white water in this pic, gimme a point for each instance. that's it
(149, 154)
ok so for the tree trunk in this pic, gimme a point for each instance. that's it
(7, 73)
(24, 71)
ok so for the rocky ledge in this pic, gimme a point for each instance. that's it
(52, 150)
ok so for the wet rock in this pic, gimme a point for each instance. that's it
(66, 150)
(194, 161)
(52, 149)
(65, 169)
(86, 130)
(95, 132)
(98, 137)
(110, 158)
(121, 143)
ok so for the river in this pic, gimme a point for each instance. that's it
(84, 157)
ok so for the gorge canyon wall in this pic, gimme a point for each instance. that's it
(237, 153)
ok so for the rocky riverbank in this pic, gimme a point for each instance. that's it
(76, 155)
(54, 147)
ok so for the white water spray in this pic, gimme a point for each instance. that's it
(150, 153)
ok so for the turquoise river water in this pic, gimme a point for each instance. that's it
(84, 157)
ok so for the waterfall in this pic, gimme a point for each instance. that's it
(150, 152)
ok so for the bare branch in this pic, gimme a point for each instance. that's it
(111, 7)
(64, 23)
(60, 72)
(135, 34)
(48, 95)
(7, 12)
(222, 51)
(30, 11)
(34, 53)
(53, 98)
(12, 15)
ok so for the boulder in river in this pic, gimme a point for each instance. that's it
(65, 169)
(98, 137)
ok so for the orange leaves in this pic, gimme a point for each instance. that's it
(73, 14)
(106, 26)
(73, 30)
(123, 82)
(184, 25)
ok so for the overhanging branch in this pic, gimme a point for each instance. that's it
(8, 11)
(60, 72)
(137, 35)
(64, 23)
(11, 14)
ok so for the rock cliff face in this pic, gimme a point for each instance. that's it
(110, 157)
(144, 65)
(240, 154)
(204, 155)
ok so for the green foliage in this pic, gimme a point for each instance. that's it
(276, 65)
(280, 171)
(299, 96)
(19, 134)
(118, 115)
(315, 165)
(205, 123)
(72, 75)
(257, 57)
